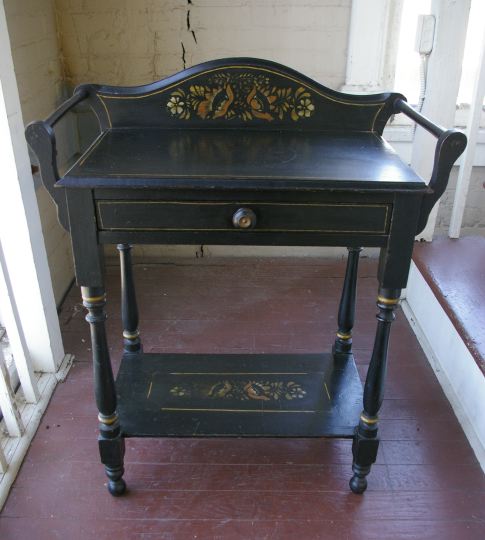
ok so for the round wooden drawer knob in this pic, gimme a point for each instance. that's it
(244, 218)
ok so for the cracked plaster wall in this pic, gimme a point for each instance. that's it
(128, 42)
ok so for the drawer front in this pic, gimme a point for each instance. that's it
(224, 216)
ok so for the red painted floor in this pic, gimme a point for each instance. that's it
(455, 271)
(426, 484)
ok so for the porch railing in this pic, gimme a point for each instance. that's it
(22, 404)
(473, 126)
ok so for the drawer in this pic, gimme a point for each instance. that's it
(243, 216)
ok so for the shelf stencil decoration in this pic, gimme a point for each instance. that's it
(243, 390)
(242, 96)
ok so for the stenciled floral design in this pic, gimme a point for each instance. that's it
(304, 107)
(242, 96)
(294, 391)
(177, 105)
(180, 391)
(245, 390)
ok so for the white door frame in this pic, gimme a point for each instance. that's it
(20, 227)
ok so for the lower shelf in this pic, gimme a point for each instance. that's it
(239, 395)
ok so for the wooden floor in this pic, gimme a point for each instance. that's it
(455, 271)
(425, 485)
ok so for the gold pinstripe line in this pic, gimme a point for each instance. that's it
(92, 299)
(243, 373)
(109, 420)
(235, 203)
(106, 109)
(108, 203)
(378, 104)
(387, 301)
(90, 149)
(289, 77)
(259, 411)
(367, 420)
(232, 177)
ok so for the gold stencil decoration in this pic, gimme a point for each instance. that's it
(242, 96)
(179, 391)
(244, 390)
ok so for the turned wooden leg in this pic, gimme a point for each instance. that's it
(129, 308)
(366, 442)
(111, 444)
(346, 312)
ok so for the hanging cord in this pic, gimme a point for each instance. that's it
(423, 74)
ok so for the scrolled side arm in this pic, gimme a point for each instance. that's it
(42, 140)
(450, 145)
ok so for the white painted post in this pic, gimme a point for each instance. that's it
(442, 84)
(371, 58)
(3, 462)
(465, 170)
(20, 227)
(16, 337)
(8, 405)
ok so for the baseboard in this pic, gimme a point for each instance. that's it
(153, 254)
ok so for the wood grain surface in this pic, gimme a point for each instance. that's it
(426, 483)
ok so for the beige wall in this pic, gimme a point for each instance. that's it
(33, 36)
(128, 42)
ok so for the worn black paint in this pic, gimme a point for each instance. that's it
(329, 408)
(248, 159)
(366, 442)
(346, 311)
(129, 307)
(217, 216)
(111, 444)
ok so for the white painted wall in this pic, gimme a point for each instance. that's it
(33, 35)
(24, 262)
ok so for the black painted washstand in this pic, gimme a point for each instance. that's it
(240, 152)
